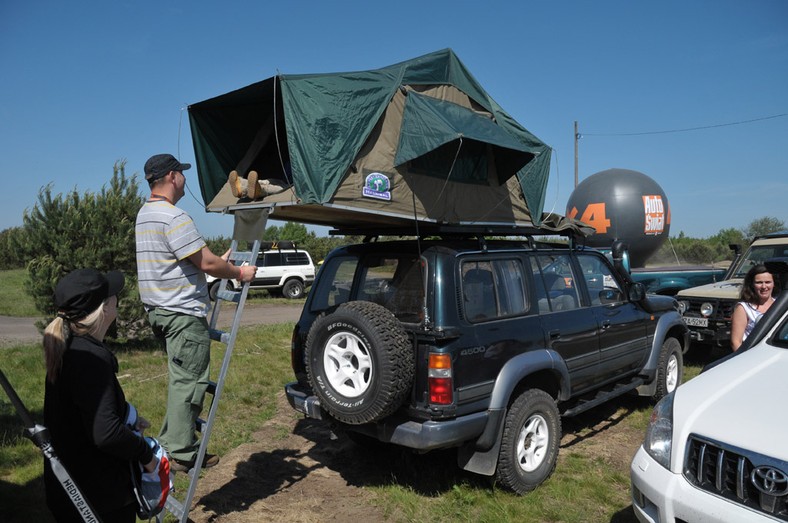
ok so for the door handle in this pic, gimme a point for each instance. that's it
(554, 335)
(605, 324)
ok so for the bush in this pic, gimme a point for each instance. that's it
(72, 231)
(11, 255)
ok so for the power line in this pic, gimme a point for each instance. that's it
(687, 129)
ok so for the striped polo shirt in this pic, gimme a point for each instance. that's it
(166, 236)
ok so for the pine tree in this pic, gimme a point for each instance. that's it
(72, 231)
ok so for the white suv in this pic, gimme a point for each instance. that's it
(716, 449)
(286, 271)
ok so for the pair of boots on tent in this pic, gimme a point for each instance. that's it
(252, 188)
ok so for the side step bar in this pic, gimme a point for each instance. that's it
(602, 396)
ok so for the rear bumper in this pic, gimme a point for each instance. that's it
(398, 430)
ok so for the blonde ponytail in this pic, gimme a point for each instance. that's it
(58, 332)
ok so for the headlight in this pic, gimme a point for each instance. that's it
(683, 306)
(706, 309)
(659, 435)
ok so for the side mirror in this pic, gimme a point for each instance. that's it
(637, 291)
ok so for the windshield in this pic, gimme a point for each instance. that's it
(757, 255)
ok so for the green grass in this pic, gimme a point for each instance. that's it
(14, 300)
(259, 369)
(429, 488)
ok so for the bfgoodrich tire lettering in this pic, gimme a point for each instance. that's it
(360, 362)
(670, 371)
(529, 445)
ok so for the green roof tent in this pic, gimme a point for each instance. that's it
(419, 140)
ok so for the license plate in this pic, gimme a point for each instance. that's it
(696, 322)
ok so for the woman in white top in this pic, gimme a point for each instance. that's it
(756, 298)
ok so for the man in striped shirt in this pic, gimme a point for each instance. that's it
(172, 260)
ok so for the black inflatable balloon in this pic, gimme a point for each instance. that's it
(625, 205)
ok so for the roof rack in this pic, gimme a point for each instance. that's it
(278, 245)
(449, 231)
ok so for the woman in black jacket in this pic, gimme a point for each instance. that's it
(94, 431)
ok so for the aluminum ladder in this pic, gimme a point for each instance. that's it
(180, 509)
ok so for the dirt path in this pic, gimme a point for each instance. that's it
(16, 331)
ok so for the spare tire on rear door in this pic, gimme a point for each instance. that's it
(360, 362)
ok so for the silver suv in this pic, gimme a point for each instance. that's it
(282, 269)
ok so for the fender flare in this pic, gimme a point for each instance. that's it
(668, 325)
(512, 374)
(667, 322)
(481, 456)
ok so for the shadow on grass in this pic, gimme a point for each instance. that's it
(265, 474)
(625, 515)
(24, 503)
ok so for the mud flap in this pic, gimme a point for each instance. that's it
(479, 462)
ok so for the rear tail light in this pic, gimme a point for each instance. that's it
(439, 377)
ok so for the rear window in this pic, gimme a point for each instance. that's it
(395, 282)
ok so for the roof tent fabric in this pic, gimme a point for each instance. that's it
(429, 123)
(423, 131)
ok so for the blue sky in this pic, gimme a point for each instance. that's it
(85, 84)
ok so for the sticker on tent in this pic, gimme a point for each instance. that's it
(377, 185)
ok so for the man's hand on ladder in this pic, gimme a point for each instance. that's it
(247, 273)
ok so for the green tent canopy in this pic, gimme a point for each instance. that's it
(420, 140)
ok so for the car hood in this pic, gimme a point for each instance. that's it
(721, 289)
(739, 402)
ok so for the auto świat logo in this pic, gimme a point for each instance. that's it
(378, 186)
(655, 215)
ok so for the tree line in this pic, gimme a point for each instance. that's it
(63, 232)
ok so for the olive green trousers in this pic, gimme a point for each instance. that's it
(188, 361)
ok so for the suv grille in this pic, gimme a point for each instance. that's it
(723, 309)
(727, 472)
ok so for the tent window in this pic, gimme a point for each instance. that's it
(469, 167)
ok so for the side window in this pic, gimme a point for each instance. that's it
(396, 283)
(555, 283)
(493, 289)
(602, 285)
(335, 285)
(296, 258)
(271, 259)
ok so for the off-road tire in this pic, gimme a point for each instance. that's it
(293, 289)
(529, 445)
(360, 362)
(670, 369)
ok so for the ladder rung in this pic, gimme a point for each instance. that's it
(174, 506)
(199, 424)
(211, 388)
(241, 256)
(234, 296)
(217, 335)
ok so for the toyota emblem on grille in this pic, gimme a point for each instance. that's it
(770, 481)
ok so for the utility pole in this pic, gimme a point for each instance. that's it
(577, 138)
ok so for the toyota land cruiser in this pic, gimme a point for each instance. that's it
(479, 344)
